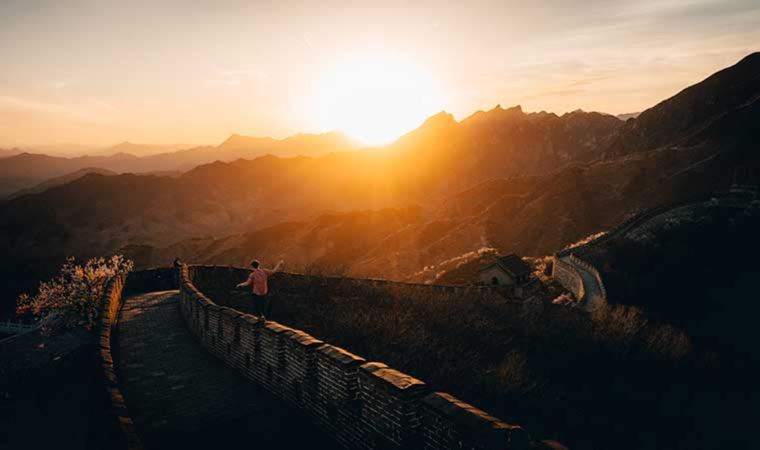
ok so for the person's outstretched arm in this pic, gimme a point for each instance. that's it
(278, 267)
(245, 283)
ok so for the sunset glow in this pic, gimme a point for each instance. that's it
(375, 98)
(74, 75)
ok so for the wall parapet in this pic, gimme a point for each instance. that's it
(213, 278)
(360, 404)
(593, 271)
(126, 437)
(569, 277)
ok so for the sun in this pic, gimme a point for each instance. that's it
(375, 98)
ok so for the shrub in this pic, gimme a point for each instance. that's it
(627, 330)
(73, 295)
(512, 374)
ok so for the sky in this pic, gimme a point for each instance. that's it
(96, 73)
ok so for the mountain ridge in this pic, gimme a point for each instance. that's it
(501, 179)
(26, 169)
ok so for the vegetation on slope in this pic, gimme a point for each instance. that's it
(585, 381)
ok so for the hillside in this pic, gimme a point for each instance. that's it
(6, 152)
(679, 120)
(582, 379)
(57, 181)
(25, 170)
(28, 169)
(705, 255)
(461, 176)
(94, 214)
(527, 215)
(140, 150)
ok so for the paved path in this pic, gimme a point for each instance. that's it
(182, 397)
(594, 296)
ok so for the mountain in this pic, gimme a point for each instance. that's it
(625, 116)
(25, 170)
(725, 227)
(677, 121)
(4, 153)
(57, 181)
(500, 180)
(96, 214)
(140, 149)
(504, 142)
(64, 150)
(245, 147)
(572, 194)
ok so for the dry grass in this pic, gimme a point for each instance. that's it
(560, 375)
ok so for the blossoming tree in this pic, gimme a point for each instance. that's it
(74, 294)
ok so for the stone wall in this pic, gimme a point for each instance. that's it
(219, 279)
(569, 277)
(363, 405)
(592, 270)
(124, 436)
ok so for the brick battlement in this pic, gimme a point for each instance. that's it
(217, 279)
(361, 404)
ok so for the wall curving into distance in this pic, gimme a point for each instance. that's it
(361, 404)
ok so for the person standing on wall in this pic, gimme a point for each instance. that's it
(258, 280)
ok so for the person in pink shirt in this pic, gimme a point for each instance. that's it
(259, 287)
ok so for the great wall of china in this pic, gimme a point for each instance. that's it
(360, 404)
(581, 278)
(170, 362)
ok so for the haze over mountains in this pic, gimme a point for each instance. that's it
(501, 179)
(139, 149)
(58, 181)
(6, 152)
(23, 170)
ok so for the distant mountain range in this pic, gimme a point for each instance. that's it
(582, 189)
(140, 150)
(627, 116)
(57, 181)
(24, 170)
(6, 152)
(500, 180)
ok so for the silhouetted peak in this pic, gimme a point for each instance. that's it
(234, 137)
(238, 140)
(751, 58)
(440, 119)
(517, 109)
(497, 114)
(675, 120)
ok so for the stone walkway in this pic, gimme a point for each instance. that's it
(594, 296)
(180, 395)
